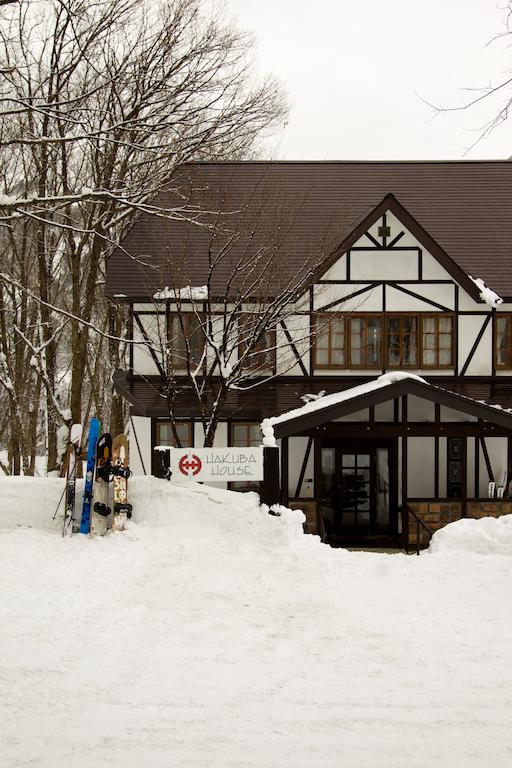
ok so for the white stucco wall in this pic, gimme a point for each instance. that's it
(296, 451)
(420, 467)
(140, 464)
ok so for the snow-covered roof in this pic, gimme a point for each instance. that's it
(486, 294)
(320, 403)
(192, 292)
(348, 394)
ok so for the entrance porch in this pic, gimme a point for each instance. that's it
(389, 462)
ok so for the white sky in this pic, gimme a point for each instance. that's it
(354, 72)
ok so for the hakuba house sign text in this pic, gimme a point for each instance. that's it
(217, 464)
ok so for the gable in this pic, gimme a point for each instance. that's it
(389, 245)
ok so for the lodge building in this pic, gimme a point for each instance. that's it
(392, 417)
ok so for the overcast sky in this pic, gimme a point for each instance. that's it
(355, 72)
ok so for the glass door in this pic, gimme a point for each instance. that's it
(354, 490)
(356, 493)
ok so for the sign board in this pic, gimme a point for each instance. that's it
(216, 465)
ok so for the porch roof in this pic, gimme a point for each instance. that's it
(322, 410)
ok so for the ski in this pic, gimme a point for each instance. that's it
(100, 507)
(500, 491)
(121, 472)
(94, 430)
(73, 454)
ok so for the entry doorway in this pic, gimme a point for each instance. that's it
(358, 496)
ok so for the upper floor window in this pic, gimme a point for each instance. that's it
(186, 338)
(262, 354)
(384, 341)
(166, 435)
(437, 341)
(503, 341)
(402, 341)
(245, 435)
(330, 342)
(365, 343)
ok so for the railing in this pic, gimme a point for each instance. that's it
(321, 528)
(419, 524)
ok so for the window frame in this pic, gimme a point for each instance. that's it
(383, 353)
(243, 485)
(438, 316)
(401, 316)
(270, 364)
(499, 366)
(365, 366)
(186, 422)
(187, 317)
(330, 350)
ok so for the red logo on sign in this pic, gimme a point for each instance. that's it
(192, 464)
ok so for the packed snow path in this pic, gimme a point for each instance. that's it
(211, 635)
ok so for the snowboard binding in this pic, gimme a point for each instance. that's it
(101, 509)
(119, 471)
(104, 472)
(125, 509)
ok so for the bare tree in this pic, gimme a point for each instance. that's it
(248, 323)
(99, 103)
(491, 103)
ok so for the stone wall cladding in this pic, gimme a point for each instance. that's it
(437, 514)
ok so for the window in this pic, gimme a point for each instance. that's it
(365, 341)
(183, 328)
(456, 459)
(402, 341)
(329, 346)
(245, 435)
(389, 341)
(437, 341)
(263, 351)
(165, 433)
(503, 341)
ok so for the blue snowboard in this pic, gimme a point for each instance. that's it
(94, 431)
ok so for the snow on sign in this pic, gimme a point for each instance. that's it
(217, 464)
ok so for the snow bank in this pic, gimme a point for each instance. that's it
(487, 536)
(191, 512)
(30, 501)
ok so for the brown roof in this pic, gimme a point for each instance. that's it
(277, 396)
(304, 211)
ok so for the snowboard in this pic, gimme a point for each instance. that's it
(94, 431)
(121, 473)
(100, 506)
(73, 455)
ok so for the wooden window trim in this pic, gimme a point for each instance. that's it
(187, 318)
(242, 485)
(400, 316)
(187, 422)
(364, 316)
(271, 366)
(382, 363)
(497, 365)
(330, 366)
(437, 315)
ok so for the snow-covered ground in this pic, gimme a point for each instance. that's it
(211, 635)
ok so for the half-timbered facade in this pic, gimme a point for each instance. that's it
(401, 287)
